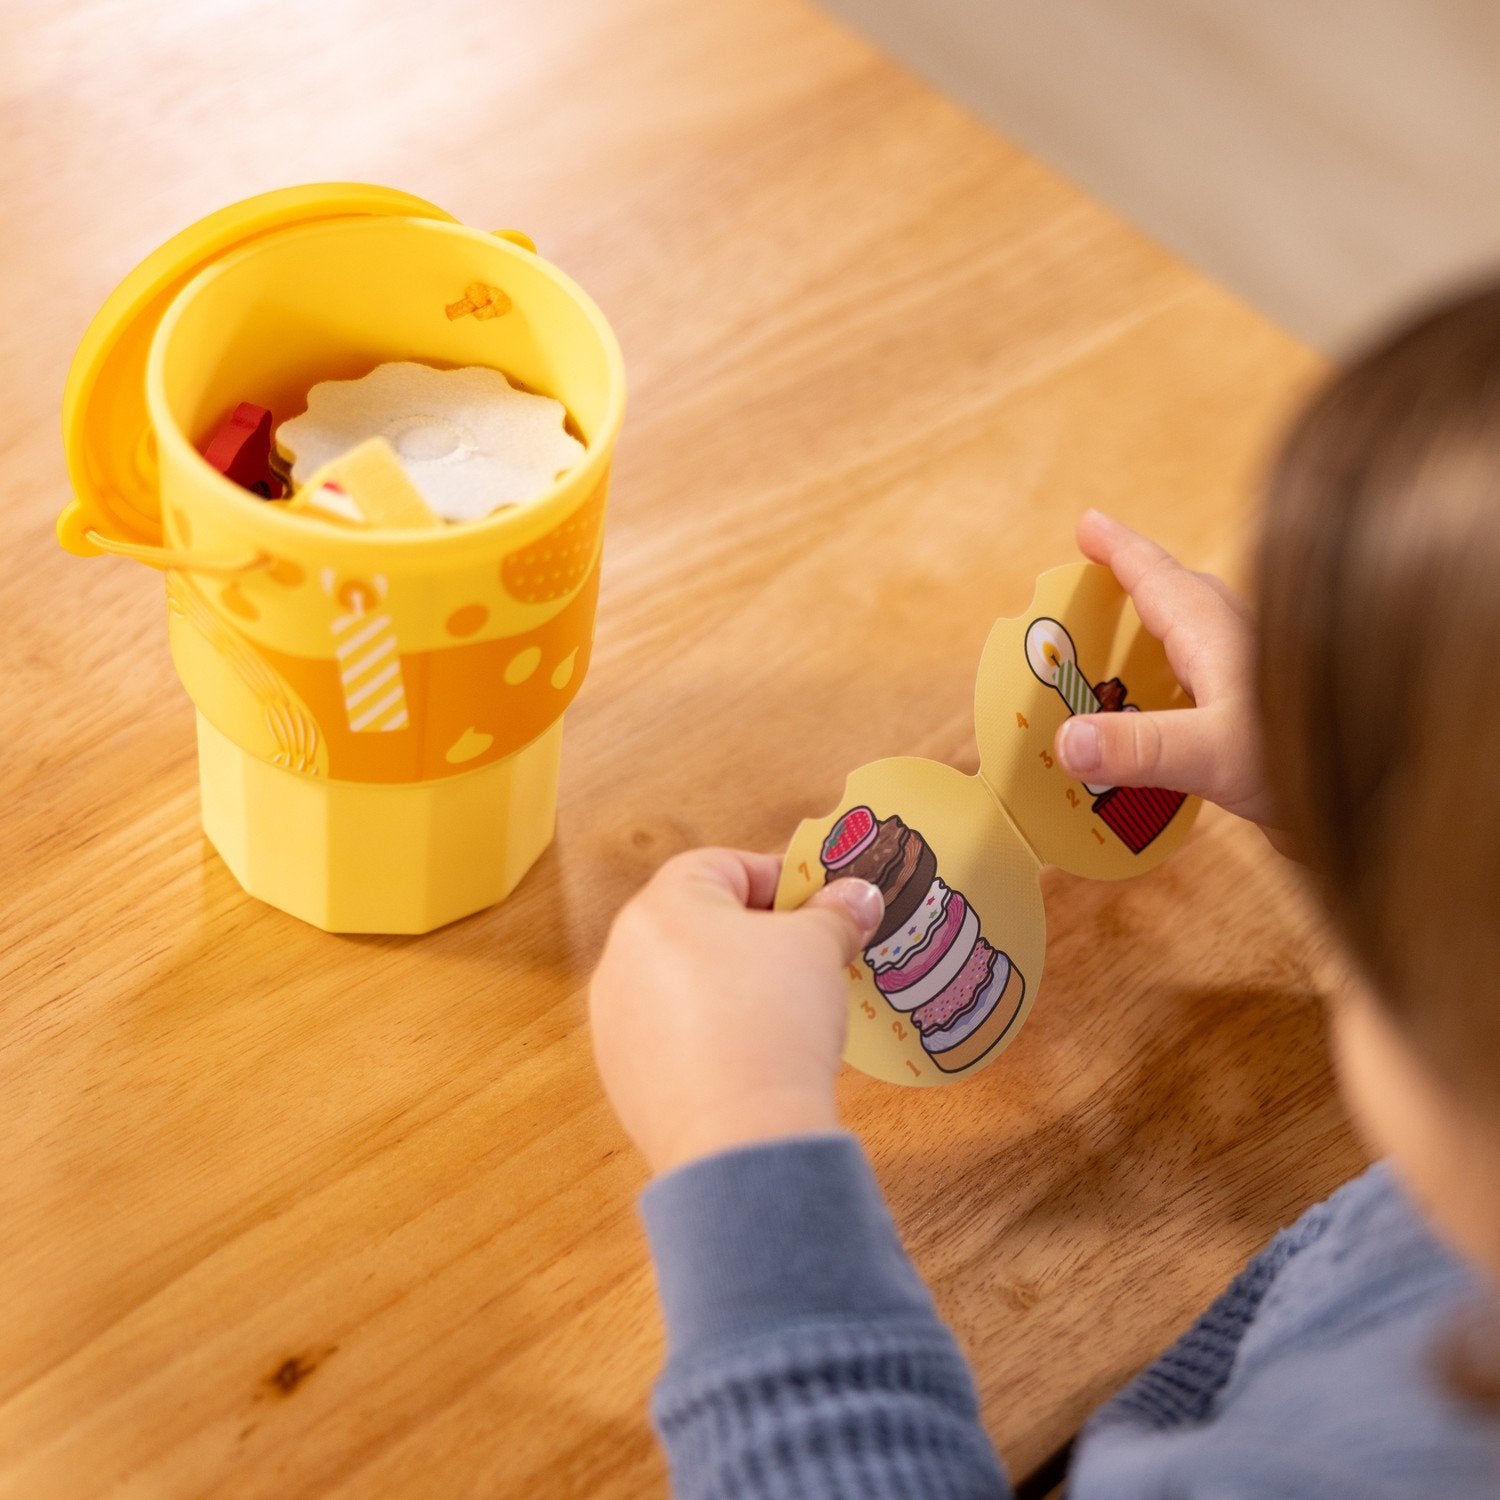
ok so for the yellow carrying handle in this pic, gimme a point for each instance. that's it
(165, 559)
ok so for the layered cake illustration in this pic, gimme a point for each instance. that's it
(928, 956)
(1134, 814)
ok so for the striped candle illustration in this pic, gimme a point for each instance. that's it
(1076, 692)
(1135, 815)
(364, 643)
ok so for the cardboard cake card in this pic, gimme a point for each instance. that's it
(949, 977)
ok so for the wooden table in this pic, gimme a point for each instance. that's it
(293, 1214)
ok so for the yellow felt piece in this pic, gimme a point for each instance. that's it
(366, 486)
(949, 978)
(1080, 615)
(980, 864)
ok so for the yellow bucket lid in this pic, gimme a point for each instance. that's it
(106, 427)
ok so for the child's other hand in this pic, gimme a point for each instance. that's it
(718, 1022)
(1211, 750)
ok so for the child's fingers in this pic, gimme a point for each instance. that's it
(1189, 613)
(852, 907)
(1098, 535)
(1174, 748)
(1234, 600)
(764, 871)
(747, 878)
(1141, 565)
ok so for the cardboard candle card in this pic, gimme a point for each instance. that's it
(950, 975)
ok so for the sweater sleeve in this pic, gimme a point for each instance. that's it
(805, 1357)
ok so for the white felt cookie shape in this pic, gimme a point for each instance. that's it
(468, 438)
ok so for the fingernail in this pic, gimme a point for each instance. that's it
(1078, 746)
(861, 900)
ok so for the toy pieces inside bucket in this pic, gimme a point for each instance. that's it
(470, 441)
(1079, 647)
(947, 980)
(240, 449)
(106, 426)
(367, 486)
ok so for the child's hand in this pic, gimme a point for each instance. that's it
(1211, 750)
(716, 1021)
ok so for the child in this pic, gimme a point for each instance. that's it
(1352, 1358)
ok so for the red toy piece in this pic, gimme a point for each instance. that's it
(241, 451)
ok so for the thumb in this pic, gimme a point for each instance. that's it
(1172, 748)
(851, 909)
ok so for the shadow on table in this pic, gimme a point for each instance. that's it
(1174, 1122)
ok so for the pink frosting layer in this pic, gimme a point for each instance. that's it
(957, 997)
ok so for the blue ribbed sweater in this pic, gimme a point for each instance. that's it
(806, 1359)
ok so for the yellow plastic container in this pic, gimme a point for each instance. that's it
(437, 807)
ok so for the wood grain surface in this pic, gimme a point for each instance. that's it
(300, 1215)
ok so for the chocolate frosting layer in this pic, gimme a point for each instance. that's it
(877, 862)
(901, 862)
(918, 869)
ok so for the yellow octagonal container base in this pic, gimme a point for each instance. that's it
(405, 813)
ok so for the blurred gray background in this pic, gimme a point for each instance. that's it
(1332, 161)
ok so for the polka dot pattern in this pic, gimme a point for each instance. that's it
(522, 666)
(555, 565)
(467, 619)
(473, 700)
(233, 598)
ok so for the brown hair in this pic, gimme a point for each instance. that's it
(1379, 674)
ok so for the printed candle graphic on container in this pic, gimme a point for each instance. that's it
(1134, 814)
(928, 956)
(369, 659)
